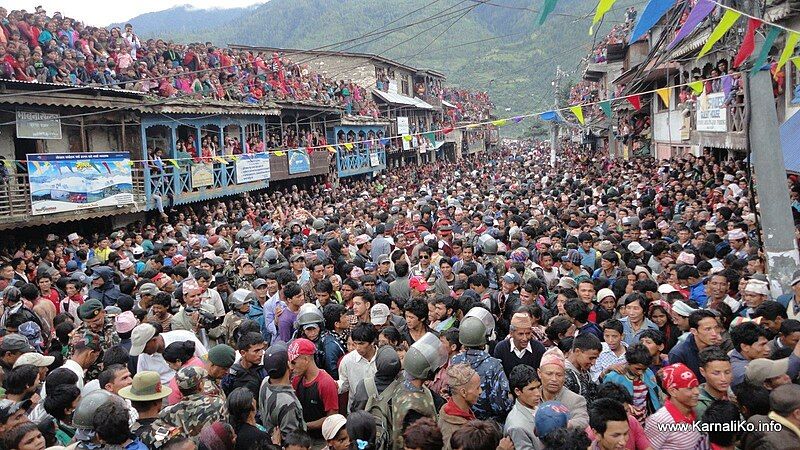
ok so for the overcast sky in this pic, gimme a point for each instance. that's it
(104, 12)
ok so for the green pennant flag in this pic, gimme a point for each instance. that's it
(547, 8)
(605, 105)
(773, 34)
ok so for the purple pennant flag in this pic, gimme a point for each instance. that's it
(700, 11)
(517, 119)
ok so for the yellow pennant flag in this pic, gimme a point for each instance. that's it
(788, 50)
(578, 111)
(234, 157)
(407, 137)
(500, 122)
(279, 153)
(349, 146)
(173, 162)
(796, 61)
(473, 125)
(8, 164)
(330, 149)
(728, 20)
(697, 87)
(130, 163)
(664, 94)
(220, 159)
(602, 8)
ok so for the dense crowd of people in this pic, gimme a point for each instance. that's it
(469, 105)
(489, 303)
(56, 49)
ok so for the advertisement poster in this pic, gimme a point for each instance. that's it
(374, 159)
(299, 161)
(251, 168)
(62, 182)
(202, 175)
(711, 113)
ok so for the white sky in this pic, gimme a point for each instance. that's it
(103, 12)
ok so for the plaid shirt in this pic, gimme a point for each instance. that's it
(606, 359)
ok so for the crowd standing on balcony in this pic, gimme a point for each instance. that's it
(58, 49)
(469, 105)
(591, 304)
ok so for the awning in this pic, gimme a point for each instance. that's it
(448, 104)
(399, 99)
(790, 142)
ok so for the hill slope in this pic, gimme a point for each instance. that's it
(494, 46)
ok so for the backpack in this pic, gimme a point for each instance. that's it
(381, 409)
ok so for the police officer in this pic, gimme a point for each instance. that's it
(195, 409)
(83, 416)
(311, 325)
(423, 359)
(494, 401)
(95, 320)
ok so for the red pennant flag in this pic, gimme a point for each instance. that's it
(748, 44)
(309, 150)
(446, 130)
(635, 101)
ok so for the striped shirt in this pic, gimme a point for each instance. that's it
(664, 439)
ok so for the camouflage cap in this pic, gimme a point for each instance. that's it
(189, 378)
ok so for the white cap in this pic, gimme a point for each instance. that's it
(635, 247)
(665, 289)
(72, 237)
(34, 359)
(331, 426)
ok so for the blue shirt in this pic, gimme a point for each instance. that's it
(589, 258)
(630, 336)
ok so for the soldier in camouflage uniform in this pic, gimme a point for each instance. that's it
(421, 362)
(196, 409)
(96, 321)
(494, 402)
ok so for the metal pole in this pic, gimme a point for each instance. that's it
(554, 128)
(777, 225)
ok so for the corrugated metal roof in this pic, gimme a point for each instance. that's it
(448, 104)
(46, 219)
(695, 41)
(399, 99)
(364, 120)
(205, 106)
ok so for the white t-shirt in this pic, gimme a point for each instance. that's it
(156, 362)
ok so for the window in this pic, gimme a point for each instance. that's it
(404, 86)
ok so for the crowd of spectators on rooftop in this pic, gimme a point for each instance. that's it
(38, 47)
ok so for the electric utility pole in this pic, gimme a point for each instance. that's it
(766, 155)
(554, 127)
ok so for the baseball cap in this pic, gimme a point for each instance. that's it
(148, 289)
(635, 247)
(276, 359)
(665, 289)
(379, 314)
(299, 347)
(15, 342)
(511, 277)
(140, 336)
(190, 377)
(760, 370)
(550, 416)
(795, 278)
(34, 359)
(332, 425)
(258, 282)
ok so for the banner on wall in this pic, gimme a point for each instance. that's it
(202, 175)
(711, 113)
(374, 159)
(36, 125)
(253, 167)
(299, 162)
(402, 130)
(62, 182)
